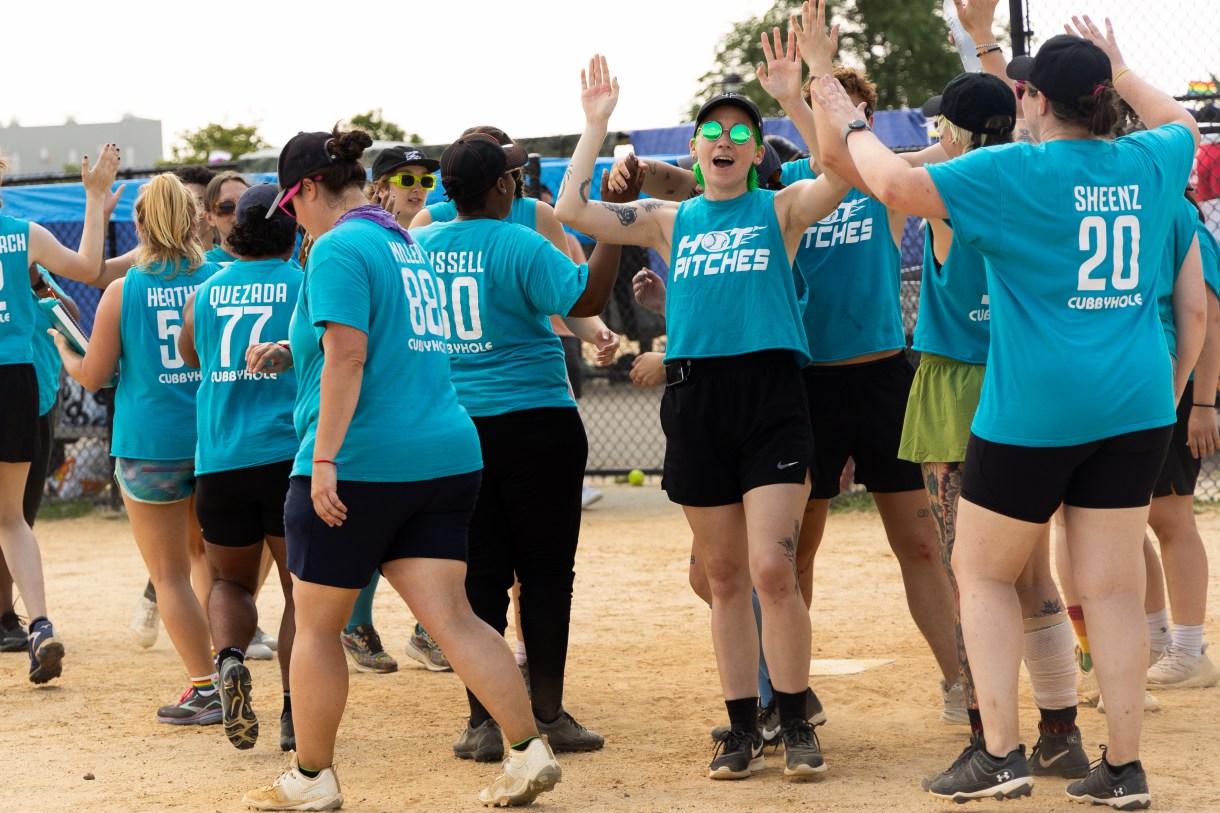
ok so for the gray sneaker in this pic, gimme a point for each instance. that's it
(288, 732)
(241, 725)
(802, 752)
(1122, 790)
(982, 776)
(567, 735)
(1059, 755)
(737, 755)
(482, 744)
(962, 758)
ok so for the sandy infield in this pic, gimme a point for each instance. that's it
(640, 671)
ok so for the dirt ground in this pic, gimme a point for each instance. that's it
(641, 672)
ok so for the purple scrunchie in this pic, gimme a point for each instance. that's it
(379, 216)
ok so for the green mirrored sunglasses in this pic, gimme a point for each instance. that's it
(738, 133)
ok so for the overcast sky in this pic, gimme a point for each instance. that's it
(434, 67)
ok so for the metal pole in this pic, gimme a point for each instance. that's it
(1019, 22)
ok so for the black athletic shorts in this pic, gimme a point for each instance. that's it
(857, 411)
(239, 507)
(733, 424)
(18, 413)
(1029, 482)
(426, 519)
(1181, 470)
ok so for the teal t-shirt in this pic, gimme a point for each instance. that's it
(47, 362)
(154, 402)
(954, 312)
(244, 419)
(408, 424)
(523, 213)
(498, 283)
(1209, 251)
(731, 289)
(1173, 254)
(16, 306)
(1071, 232)
(218, 255)
(853, 271)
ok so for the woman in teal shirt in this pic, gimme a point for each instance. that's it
(1078, 401)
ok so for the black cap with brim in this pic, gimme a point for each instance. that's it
(265, 195)
(744, 103)
(392, 158)
(471, 165)
(304, 153)
(972, 101)
(1065, 68)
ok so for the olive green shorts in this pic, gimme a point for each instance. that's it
(940, 409)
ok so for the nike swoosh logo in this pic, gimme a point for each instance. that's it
(1046, 763)
(768, 733)
(786, 465)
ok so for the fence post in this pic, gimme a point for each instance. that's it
(1019, 25)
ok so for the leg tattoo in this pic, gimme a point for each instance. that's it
(944, 481)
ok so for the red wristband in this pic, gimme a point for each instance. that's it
(333, 463)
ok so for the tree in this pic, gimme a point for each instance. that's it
(197, 146)
(374, 123)
(903, 44)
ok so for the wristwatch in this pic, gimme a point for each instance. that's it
(854, 127)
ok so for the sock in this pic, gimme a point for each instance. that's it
(520, 653)
(362, 611)
(1159, 638)
(1050, 661)
(205, 686)
(766, 693)
(1115, 770)
(1188, 639)
(976, 722)
(308, 774)
(230, 652)
(150, 592)
(288, 702)
(1076, 613)
(743, 714)
(525, 743)
(791, 707)
(1057, 721)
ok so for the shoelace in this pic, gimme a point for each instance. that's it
(189, 691)
(801, 733)
(733, 741)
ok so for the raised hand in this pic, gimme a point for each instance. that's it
(99, 177)
(1087, 29)
(829, 93)
(976, 17)
(781, 74)
(112, 200)
(817, 45)
(598, 90)
(649, 290)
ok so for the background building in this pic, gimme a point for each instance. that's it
(39, 150)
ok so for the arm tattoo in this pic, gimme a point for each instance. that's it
(584, 189)
(788, 543)
(651, 204)
(626, 214)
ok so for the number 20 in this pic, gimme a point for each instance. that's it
(1093, 236)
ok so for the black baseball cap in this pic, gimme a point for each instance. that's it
(971, 99)
(265, 195)
(303, 154)
(1065, 68)
(392, 158)
(471, 165)
(736, 100)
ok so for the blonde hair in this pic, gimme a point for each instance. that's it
(166, 212)
(969, 140)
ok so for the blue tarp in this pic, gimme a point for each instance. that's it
(896, 128)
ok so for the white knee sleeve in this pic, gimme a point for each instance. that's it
(1050, 659)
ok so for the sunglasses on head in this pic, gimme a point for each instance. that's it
(1022, 87)
(738, 133)
(406, 180)
(224, 207)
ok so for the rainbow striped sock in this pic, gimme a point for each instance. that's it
(205, 686)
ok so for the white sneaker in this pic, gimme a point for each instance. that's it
(294, 791)
(588, 496)
(526, 774)
(145, 623)
(1177, 670)
(258, 650)
(271, 641)
(1150, 703)
(954, 710)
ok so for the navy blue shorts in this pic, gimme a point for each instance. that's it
(427, 519)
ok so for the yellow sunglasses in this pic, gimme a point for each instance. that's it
(406, 180)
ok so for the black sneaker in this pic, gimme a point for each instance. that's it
(802, 753)
(967, 752)
(983, 776)
(1059, 755)
(768, 720)
(813, 709)
(288, 732)
(482, 744)
(737, 756)
(241, 725)
(565, 735)
(1125, 790)
(13, 637)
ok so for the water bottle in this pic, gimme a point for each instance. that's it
(963, 41)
